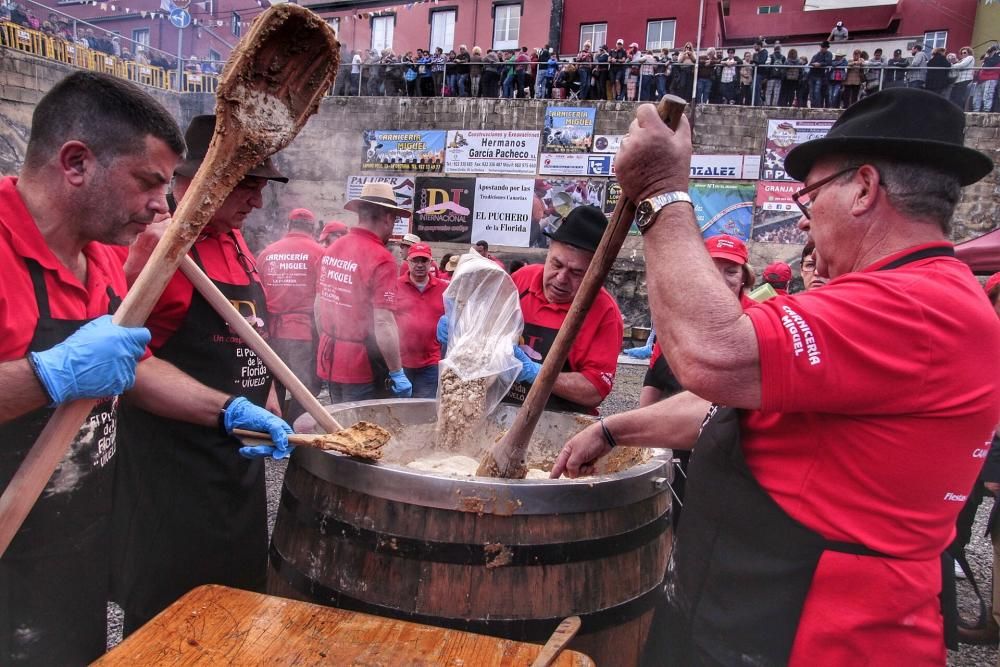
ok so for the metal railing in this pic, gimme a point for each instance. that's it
(54, 47)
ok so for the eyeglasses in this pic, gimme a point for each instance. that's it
(803, 199)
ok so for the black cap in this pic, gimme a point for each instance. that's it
(199, 135)
(582, 228)
(905, 124)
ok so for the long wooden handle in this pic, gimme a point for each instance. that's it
(509, 454)
(557, 642)
(297, 439)
(239, 324)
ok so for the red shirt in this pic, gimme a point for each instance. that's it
(220, 261)
(595, 351)
(69, 299)
(879, 396)
(288, 270)
(357, 276)
(417, 315)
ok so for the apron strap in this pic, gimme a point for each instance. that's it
(37, 274)
(917, 255)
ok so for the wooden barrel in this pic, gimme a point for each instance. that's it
(508, 558)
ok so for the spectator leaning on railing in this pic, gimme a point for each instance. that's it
(986, 83)
(963, 76)
(819, 67)
(916, 70)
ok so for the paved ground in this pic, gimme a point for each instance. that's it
(625, 397)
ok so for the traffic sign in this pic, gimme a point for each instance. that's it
(180, 18)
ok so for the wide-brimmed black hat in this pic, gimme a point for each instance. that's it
(906, 124)
(582, 228)
(197, 138)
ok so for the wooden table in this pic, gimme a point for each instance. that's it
(215, 625)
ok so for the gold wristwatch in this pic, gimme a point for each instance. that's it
(646, 212)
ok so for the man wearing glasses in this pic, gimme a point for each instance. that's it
(188, 509)
(844, 422)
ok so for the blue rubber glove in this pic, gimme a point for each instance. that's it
(529, 368)
(401, 385)
(241, 413)
(639, 352)
(442, 330)
(97, 360)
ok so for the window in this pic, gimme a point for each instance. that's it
(660, 34)
(236, 27)
(935, 39)
(141, 36)
(506, 26)
(335, 24)
(214, 55)
(769, 9)
(382, 27)
(443, 29)
(595, 33)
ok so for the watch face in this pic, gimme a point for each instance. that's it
(643, 214)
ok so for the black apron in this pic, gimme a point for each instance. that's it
(54, 575)
(541, 342)
(741, 567)
(189, 510)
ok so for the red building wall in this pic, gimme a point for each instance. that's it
(626, 19)
(412, 31)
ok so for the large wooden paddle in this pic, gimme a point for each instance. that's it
(508, 457)
(273, 82)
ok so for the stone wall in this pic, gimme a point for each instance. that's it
(329, 150)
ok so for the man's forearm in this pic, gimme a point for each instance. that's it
(673, 423)
(163, 389)
(20, 390)
(387, 339)
(577, 388)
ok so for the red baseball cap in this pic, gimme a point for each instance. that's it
(302, 214)
(332, 227)
(419, 250)
(727, 247)
(992, 282)
(779, 272)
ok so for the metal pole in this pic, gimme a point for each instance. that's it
(753, 87)
(180, 60)
(697, 52)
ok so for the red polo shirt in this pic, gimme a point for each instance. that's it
(417, 315)
(595, 351)
(357, 275)
(219, 259)
(880, 393)
(288, 270)
(69, 299)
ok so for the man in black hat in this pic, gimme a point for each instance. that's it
(547, 291)
(188, 508)
(832, 409)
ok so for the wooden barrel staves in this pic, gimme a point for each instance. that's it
(508, 558)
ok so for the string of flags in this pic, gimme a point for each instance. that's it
(164, 13)
(392, 10)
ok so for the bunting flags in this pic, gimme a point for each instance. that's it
(167, 5)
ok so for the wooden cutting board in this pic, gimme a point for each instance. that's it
(215, 625)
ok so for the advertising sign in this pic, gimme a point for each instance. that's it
(730, 167)
(491, 152)
(777, 219)
(564, 164)
(403, 150)
(502, 211)
(568, 129)
(557, 197)
(783, 136)
(724, 207)
(443, 209)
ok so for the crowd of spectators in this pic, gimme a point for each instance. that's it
(833, 77)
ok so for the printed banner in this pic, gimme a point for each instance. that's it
(568, 129)
(401, 185)
(600, 165)
(443, 209)
(502, 211)
(491, 152)
(564, 164)
(555, 198)
(783, 136)
(612, 196)
(733, 167)
(723, 207)
(777, 218)
(607, 143)
(403, 150)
